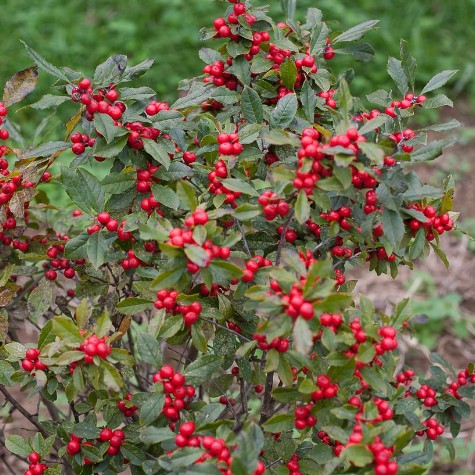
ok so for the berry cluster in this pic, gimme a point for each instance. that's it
(427, 395)
(32, 361)
(279, 344)
(339, 216)
(58, 262)
(382, 455)
(181, 237)
(167, 299)
(218, 76)
(371, 199)
(290, 234)
(326, 389)
(145, 179)
(363, 179)
(126, 407)
(328, 96)
(435, 223)
(400, 137)
(154, 107)
(178, 395)
(293, 465)
(405, 378)
(229, 144)
(410, 100)
(103, 101)
(333, 321)
(115, 439)
(304, 417)
(252, 266)
(295, 303)
(217, 188)
(434, 429)
(138, 131)
(273, 206)
(95, 346)
(35, 467)
(80, 142)
(224, 29)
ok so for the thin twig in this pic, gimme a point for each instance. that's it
(244, 240)
(217, 325)
(282, 237)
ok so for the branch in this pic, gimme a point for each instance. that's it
(217, 325)
(268, 401)
(244, 240)
(282, 237)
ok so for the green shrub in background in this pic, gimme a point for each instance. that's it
(85, 32)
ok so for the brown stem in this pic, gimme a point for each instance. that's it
(268, 400)
(282, 237)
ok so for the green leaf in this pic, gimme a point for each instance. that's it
(408, 63)
(44, 65)
(308, 98)
(373, 151)
(241, 69)
(40, 300)
(155, 435)
(157, 151)
(437, 101)
(106, 127)
(110, 71)
(284, 112)
(196, 95)
(202, 369)
(105, 150)
(318, 38)
(373, 124)
(393, 225)
(134, 72)
(46, 150)
(116, 183)
(136, 93)
(357, 32)
(46, 335)
(149, 349)
(234, 184)
(94, 185)
(167, 279)
(225, 96)
(49, 100)
(166, 196)
(6, 371)
(133, 453)
(86, 430)
(279, 423)
(396, 71)
(251, 105)
(359, 455)
(76, 248)
(431, 151)
(247, 211)
(303, 340)
(67, 330)
(151, 409)
(197, 255)
(438, 80)
(187, 195)
(134, 305)
(167, 120)
(79, 191)
(302, 207)
(97, 248)
(17, 445)
(288, 74)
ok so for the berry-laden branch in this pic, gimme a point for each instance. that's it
(258, 355)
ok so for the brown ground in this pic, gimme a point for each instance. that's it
(384, 291)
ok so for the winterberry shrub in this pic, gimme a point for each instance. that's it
(193, 307)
